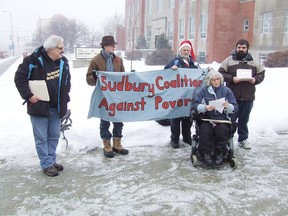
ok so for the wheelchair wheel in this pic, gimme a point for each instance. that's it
(234, 163)
(194, 160)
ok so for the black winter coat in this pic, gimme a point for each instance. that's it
(32, 68)
(179, 62)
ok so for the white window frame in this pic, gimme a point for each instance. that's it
(181, 28)
(246, 25)
(266, 23)
(170, 31)
(159, 6)
(171, 4)
(203, 26)
(192, 27)
(286, 22)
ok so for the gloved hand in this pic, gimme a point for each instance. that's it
(90, 80)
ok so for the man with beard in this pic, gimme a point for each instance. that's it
(243, 87)
(185, 59)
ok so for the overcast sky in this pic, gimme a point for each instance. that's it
(25, 14)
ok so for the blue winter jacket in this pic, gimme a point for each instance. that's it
(32, 68)
(210, 93)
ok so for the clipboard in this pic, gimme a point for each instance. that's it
(217, 121)
(244, 74)
(39, 89)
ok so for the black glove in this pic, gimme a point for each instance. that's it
(91, 80)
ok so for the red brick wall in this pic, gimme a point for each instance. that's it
(225, 27)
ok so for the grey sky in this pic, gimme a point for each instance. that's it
(25, 14)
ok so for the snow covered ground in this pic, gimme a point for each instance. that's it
(153, 179)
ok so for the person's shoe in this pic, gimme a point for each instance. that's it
(244, 144)
(107, 150)
(174, 144)
(219, 159)
(118, 148)
(51, 171)
(207, 159)
(58, 167)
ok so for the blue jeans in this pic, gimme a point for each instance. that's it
(105, 134)
(46, 135)
(243, 114)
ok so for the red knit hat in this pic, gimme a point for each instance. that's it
(187, 43)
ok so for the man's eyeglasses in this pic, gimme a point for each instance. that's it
(60, 48)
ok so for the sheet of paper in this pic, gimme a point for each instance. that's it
(244, 73)
(39, 89)
(218, 104)
(217, 121)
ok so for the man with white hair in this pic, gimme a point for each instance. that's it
(48, 64)
(185, 59)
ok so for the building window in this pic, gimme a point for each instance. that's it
(246, 25)
(137, 5)
(192, 27)
(266, 23)
(181, 28)
(148, 34)
(170, 31)
(149, 6)
(159, 6)
(203, 27)
(202, 57)
(129, 36)
(286, 22)
(171, 3)
(262, 57)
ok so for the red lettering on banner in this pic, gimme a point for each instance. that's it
(122, 106)
(177, 83)
(126, 85)
(159, 103)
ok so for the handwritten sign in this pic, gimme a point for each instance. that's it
(142, 96)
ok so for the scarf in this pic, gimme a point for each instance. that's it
(108, 57)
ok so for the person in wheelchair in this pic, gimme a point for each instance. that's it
(213, 105)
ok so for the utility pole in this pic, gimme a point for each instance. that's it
(12, 35)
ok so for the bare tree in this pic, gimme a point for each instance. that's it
(74, 33)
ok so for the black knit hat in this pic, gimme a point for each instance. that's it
(108, 40)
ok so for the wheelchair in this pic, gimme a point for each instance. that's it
(196, 157)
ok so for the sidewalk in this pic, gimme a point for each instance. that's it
(150, 182)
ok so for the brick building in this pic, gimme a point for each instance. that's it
(213, 26)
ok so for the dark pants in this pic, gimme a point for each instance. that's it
(209, 134)
(186, 124)
(243, 114)
(106, 134)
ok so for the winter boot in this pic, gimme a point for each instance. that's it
(118, 148)
(207, 159)
(108, 152)
(219, 159)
